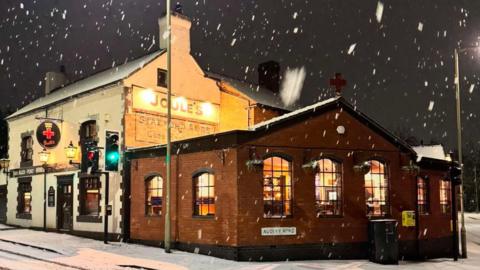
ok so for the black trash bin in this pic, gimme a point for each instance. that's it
(383, 241)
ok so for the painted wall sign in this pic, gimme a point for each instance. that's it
(408, 218)
(152, 128)
(147, 100)
(272, 231)
(48, 134)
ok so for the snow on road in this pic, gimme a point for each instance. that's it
(62, 251)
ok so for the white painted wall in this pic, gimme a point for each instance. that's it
(106, 106)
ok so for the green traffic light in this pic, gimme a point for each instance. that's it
(113, 157)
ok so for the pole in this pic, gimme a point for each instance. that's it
(453, 192)
(463, 231)
(45, 197)
(476, 187)
(107, 210)
(169, 126)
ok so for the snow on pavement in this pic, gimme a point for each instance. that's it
(82, 253)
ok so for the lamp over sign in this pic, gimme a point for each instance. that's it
(71, 151)
(43, 156)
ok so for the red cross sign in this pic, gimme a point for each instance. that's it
(338, 82)
(48, 133)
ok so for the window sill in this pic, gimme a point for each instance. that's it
(209, 217)
(329, 216)
(278, 217)
(153, 216)
(89, 219)
(24, 216)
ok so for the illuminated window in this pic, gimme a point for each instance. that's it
(204, 194)
(90, 200)
(445, 192)
(423, 195)
(154, 196)
(277, 188)
(328, 188)
(376, 189)
(24, 197)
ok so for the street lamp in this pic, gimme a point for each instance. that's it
(71, 153)
(463, 231)
(5, 165)
(44, 155)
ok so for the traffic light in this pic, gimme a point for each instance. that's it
(112, 154)
(455, 175)
(90, 157)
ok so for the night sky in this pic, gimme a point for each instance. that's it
(400, 71)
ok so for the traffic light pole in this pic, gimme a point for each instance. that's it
(107, 210)
(169, 126)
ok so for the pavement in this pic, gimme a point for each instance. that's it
(30, 250)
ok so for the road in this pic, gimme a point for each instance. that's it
(40, 250)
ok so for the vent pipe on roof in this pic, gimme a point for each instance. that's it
(269, 76)
(55, 79)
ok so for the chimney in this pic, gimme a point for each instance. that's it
(269, 76)
(54, 80)
(180, 31)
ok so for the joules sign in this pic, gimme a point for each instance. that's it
(150, 101)
(48, 134)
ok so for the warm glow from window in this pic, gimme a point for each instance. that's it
(328, 188)
(277, 187)
(376, 189)
(149, 96)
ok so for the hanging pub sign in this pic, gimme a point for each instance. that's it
(48, 134)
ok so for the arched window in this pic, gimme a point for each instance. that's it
(204, 194)
(423, 194)
(277, 187)
(328, 188)
(154, 196)
(445, 192)
(376, 189)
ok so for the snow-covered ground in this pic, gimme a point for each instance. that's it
(22, 249)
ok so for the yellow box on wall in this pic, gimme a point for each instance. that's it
(408, 218)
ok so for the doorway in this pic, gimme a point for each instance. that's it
(65, 203)
(3, 203)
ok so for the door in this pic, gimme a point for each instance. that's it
(3, 203)
(65, 203)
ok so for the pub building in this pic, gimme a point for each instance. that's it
(62, 145)
(303, 185)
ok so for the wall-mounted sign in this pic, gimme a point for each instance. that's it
(272, 231)
(151, 128)
(51, 197)
(150, 101)
(48, 134)
(408, 218)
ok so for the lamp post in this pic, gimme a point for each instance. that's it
(43, 156)
(5, 164)
(463, 231)
(169, 126)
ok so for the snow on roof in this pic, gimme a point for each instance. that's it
(259, 94)
(430, 151)
(89, 83)
(294, 113)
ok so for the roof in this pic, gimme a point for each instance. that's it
(255, 92)
(87, 84)
(294, 113)
(236, 137)
(430, 151)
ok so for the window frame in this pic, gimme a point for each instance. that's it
(83, 195)
(195, 181)
(26, 152)
(287, 158)
(21, 198)
(338, 188)
(423, 189)
(445, 208)
(148, 180)
(159, 82)
(386, 175)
